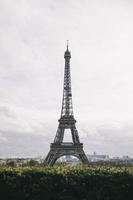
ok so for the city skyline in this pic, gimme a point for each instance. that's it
(33, 40)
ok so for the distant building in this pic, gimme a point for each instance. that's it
(98, 157)
(68, 159)
(126, 158)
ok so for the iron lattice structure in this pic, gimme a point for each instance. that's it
(67, 121)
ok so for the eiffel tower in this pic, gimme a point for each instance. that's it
(67, 121)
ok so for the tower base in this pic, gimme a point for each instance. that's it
(62, 149)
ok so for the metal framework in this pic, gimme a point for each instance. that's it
(59, 148)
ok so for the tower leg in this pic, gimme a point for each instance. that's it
(59, 135)
(75, 136)
(51, 158)
(83, 158)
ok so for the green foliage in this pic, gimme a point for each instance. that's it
(66, 183)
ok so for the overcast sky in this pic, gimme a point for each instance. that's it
(33, 38)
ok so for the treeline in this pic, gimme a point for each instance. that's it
(35, 163)
(66, 183)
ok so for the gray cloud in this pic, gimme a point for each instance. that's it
(33, 37)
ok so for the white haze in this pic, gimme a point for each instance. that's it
(33, 38)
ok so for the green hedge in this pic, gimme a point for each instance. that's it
(66, 183)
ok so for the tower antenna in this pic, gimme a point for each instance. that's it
(67, 44)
